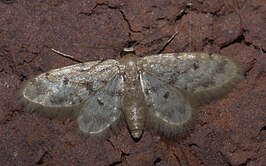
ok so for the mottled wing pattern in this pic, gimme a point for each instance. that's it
(169, 111)
(102, 110)
(203, 75)
(65, 88)
(171, 83)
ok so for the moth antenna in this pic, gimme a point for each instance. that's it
(67, 56)
(167, 43)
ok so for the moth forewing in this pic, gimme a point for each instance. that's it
(226, 73)
(202, 75)
(59, 92)
(46, 111)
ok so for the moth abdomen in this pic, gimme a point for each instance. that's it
(135, 118)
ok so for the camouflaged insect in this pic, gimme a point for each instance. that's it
(158, 91)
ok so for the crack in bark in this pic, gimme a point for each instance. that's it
(246, 162)
(177, 158)
(127, 21)
(193, 145)
(122, 156)
(44, 155)
(226, 160)
(239, 39)
(157, 160)
(251, 66)
(93, 11)
(8, 2)
(108, 140)
(41, 160)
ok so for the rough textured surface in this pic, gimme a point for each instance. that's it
(229, 131)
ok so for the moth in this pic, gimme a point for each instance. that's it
(158, 91)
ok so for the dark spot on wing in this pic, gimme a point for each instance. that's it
(154, 89)
(166, 95)
(103, 81)
(65, 80)
(186, 87)
(114, 93)
(56, 100)
(207, 83)
(146, 92)
(220, 67)
(100, 102)
(210, 55)
(88, 85)
(195, 66)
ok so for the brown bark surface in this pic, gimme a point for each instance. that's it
(228, 131)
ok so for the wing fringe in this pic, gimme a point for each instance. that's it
(114, 129)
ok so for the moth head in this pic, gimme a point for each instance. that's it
(129, 48)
